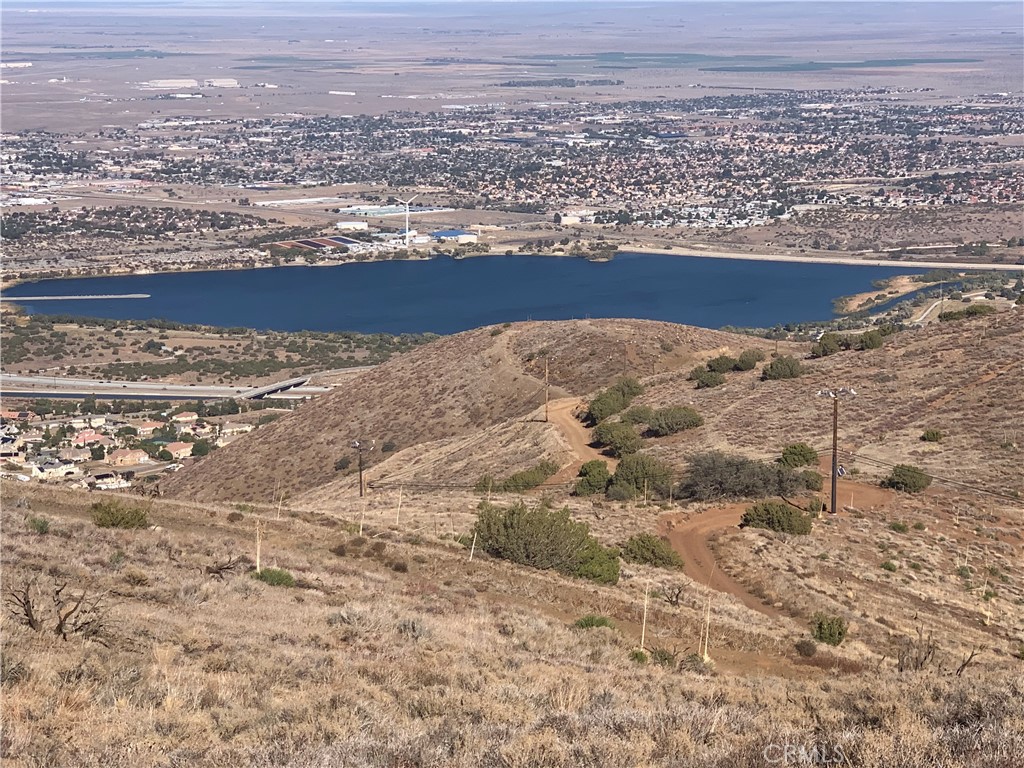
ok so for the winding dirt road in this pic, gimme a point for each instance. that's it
(690, 538)
(561, 413)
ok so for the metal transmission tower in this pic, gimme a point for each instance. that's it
(406, 204)
(836, 394)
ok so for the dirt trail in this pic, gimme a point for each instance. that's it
(689, 537)
(560, 413)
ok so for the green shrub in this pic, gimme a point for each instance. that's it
(782, 367)
(39, 525)
(593, 478)
(932, 436)
(668, 421)
(640, 657)
(898, 527)
(890, 566)
(812, 480)
(614, 399)
(974, 310)
(715, 475)
(721, 364)
(617, 438)
(651, 550)
(518, 481)
(748, 359)
(546, 539)
(275, 577)
(234, 517)
(591, 621)
(905, 477)
(777, 516)
(828, 344)
(638, 473)
(638, 414)
(798, 455)
(869, 340)
(828, 629)
(709, 379)
(118, 514)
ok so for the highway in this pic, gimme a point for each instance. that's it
(74, 388)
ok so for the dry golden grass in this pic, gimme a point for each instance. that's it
(450, 388)
(449, 663)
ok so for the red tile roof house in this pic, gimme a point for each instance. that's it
(179, 450)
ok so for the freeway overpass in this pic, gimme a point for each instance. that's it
(75, 388)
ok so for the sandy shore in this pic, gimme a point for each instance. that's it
(851, 260)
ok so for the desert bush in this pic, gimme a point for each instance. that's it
(38, 525)
(709, 379)
(614, 399)
(400, 566)
(638, 414)
(651, 550)
(591, 621)
(869, 340)
(782, 367)
(905, 477)
(806, 647)
(518, 481)
(890, 566)
(118, 514)
(798, 455)
(777, 516)
(721, 364)
(637, 474)
(898, 527)
(932, 436)
(812, 480)
(715, 475)
(748, 359)
(828, 344)
(234, 517)
(668, 421)
(593, 478)
(275, 577)
(135, 576)
(546, 539)
(974, 310)
(663, 657)
(617, 438)
(638, 657)
(830, 630)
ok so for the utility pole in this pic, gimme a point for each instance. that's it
(362, 447)
(835, 394)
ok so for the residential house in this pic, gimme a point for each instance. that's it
(75, 455)
(126, 457)
(179, 450)
(185, 417)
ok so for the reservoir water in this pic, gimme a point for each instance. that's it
(445, 295)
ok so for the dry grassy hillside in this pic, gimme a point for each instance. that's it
(450, 388)
(394, 650)
(965, 379)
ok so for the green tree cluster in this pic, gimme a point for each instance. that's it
(649, 549)
(716, 475)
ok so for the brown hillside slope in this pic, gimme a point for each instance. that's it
(452, 387)
(965, 379)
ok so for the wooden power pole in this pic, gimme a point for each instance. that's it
(546, 387)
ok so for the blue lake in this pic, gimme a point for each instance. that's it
(445, 295)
